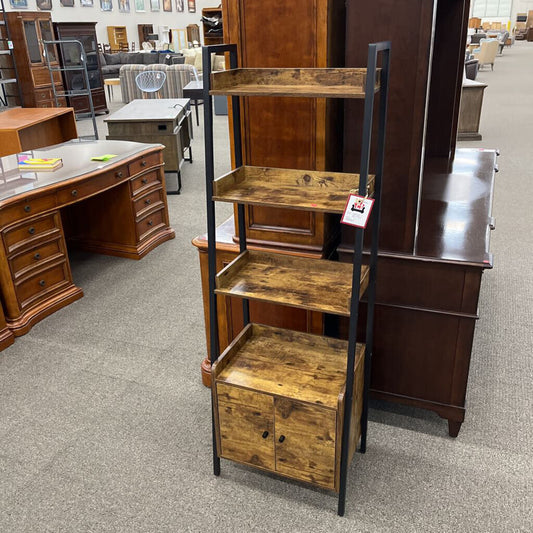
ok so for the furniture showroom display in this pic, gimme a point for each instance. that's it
(28, 29)
(116, 207)
(287, 402)
(70, 57)
(29, 128)
(429, 278)
(164, 121)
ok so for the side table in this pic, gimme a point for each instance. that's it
(109, 84)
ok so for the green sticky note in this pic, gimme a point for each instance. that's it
(105, 157)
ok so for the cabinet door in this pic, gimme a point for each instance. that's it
(32, 42)
(305, 442)
(245, 426)
(45, 27)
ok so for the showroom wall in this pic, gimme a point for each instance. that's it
(81, 13)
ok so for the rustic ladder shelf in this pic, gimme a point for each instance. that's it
(286, 402)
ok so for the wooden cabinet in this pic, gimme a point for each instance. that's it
(144, 30)
(118, 37)
(28, 29)
(212, 29)
(84, 32)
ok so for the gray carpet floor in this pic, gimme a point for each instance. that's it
(105, 425)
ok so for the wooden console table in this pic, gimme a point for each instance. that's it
(117, 207)
(24, 128)
(470, 110)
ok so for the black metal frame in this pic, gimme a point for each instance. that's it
(373, 51)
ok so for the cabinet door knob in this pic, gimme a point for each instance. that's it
(120, 174)
(42, 283)
(27, 208)
(74, 192)
(143, 163)
(144, 180)
(281, 438)
(150, 222)
(37, 256)
(31, 231)
(265, 434)
(148, 201)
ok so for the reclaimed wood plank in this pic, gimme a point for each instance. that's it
(293, 189)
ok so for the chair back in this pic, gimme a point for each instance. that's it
(150, 81)
(487, 52)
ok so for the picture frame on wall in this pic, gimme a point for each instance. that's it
(140, 6)
(154, 5)
(67, 3)
(124, 6)
(192, 6)
(44, 5)
(106, 5)
(167, 5)
(87, 3)
(180, 6)
(19, 4)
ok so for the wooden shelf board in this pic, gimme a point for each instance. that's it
(304, 82)
(294, 189)
(300, 366)
(312, 284)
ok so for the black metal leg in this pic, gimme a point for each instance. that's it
(196, 111)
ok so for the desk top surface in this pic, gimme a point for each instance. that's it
(76, 156)
(24, 117)
(149, 110)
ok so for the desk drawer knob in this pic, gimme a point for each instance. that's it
(148, 201)
(143, 163)
(37, 256)
(74, 192)
(144, 180)
(265, 434)
(31, 230)
(150, 222)
(42, 283)
(27, 208)
(120, 174)
(282, 438)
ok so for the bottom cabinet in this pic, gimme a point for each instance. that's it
(279, 400)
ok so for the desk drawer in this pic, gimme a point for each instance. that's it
(41, 95)
(24, 262)
(142, 183)
(31, 230)
(151, 223)
(148, 201)
(144, 163)
(26, 208)
(42, 284)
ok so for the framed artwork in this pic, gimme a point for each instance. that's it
(106, 5)
(19, 4)
(140, 6)
(192, 6)
(154, 5)
(44, 5)
(124, 6)
(180, 6)
(167, 5)
(87, 3)
(67, 3)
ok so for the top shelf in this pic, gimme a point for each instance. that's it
(303, 82)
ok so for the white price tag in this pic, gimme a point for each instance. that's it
(357, 211)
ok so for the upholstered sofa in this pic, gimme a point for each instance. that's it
(193, 56)
(111, 63)
(177, 77)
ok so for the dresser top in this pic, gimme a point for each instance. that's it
(150, 110)
(76, 156)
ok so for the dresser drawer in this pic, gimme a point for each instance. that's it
(42, 284)
(151, 223)
(41, 95)
(148, 202)
(20, 264)
(142, 183)
(30, 231)
(144, 163)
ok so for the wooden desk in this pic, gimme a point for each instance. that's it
(165, 121)
(25, 128)
(116, 207)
